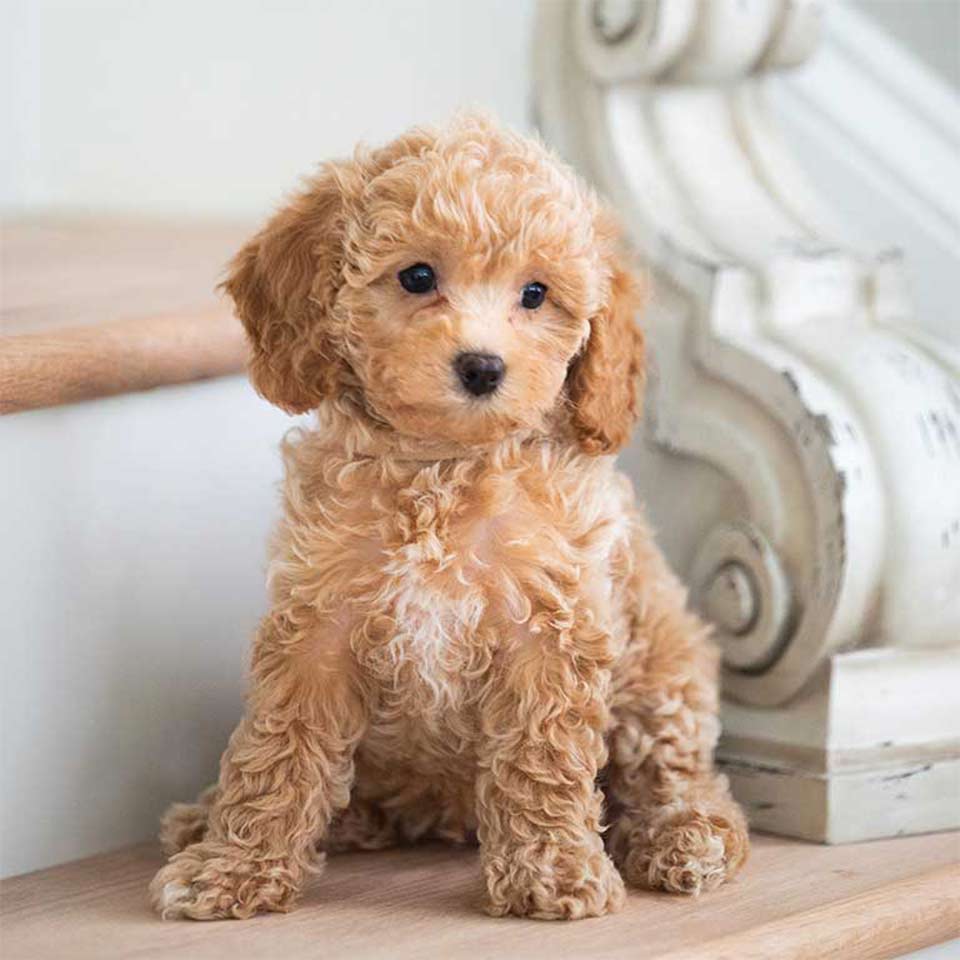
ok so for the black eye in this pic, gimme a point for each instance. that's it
(419, 278)
(533, 295)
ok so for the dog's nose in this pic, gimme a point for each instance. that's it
(479, 373)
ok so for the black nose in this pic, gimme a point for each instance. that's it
(479, 373)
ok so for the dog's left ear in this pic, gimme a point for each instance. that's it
(283, 284)
(605, 381)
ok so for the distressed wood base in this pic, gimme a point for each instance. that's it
(846, 808)
(869, 749)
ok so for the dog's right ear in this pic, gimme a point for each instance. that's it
(284, 283)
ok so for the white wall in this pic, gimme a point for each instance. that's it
(132, 563)
(216, 107)
(877, 132)
(928, 28)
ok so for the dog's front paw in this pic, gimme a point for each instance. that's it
(684, 851)
(553, 883)
(212, 881)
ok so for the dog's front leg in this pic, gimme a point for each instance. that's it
(287, 770)
(539, 809)
(678, 828)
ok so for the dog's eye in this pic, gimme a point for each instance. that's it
(533, 295)
(419, 278)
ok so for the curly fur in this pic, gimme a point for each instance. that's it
(472, 633)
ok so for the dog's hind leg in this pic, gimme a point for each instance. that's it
(674, 824)
(186, 823)
(365, 825)
(413, 812)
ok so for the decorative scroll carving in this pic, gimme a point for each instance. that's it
(802, 449)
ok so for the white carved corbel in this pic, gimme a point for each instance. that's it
(801, 456)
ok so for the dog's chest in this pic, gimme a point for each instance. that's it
(432, 637)
(429, 672)
(433, 625)
(445, 566)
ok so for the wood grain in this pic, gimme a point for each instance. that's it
(82, 271)
(47, 369)
(795, 900)
(93, 307)
(870, 925)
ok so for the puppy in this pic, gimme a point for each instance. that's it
(472, 633)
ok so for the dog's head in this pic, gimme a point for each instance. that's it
(457, 286)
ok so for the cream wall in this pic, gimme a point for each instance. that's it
(131, 579)
(216, 107)
(928, 28)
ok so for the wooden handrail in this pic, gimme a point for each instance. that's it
(81, 363)
(95, 306)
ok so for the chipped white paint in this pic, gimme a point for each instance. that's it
(802, 450)
(869, 748)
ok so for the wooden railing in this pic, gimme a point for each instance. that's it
(93, 307)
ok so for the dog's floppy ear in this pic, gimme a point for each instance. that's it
(284, 283)
(605, 380)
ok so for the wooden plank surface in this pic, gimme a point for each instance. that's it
(83, 271)
(795, 901)
(93, 307)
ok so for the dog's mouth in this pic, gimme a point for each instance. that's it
(469, 421)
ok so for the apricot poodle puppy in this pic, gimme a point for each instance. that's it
(472, 634)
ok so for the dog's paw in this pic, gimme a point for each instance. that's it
(686, 851)
(185, 823)
(209, 881)
(553, 884)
